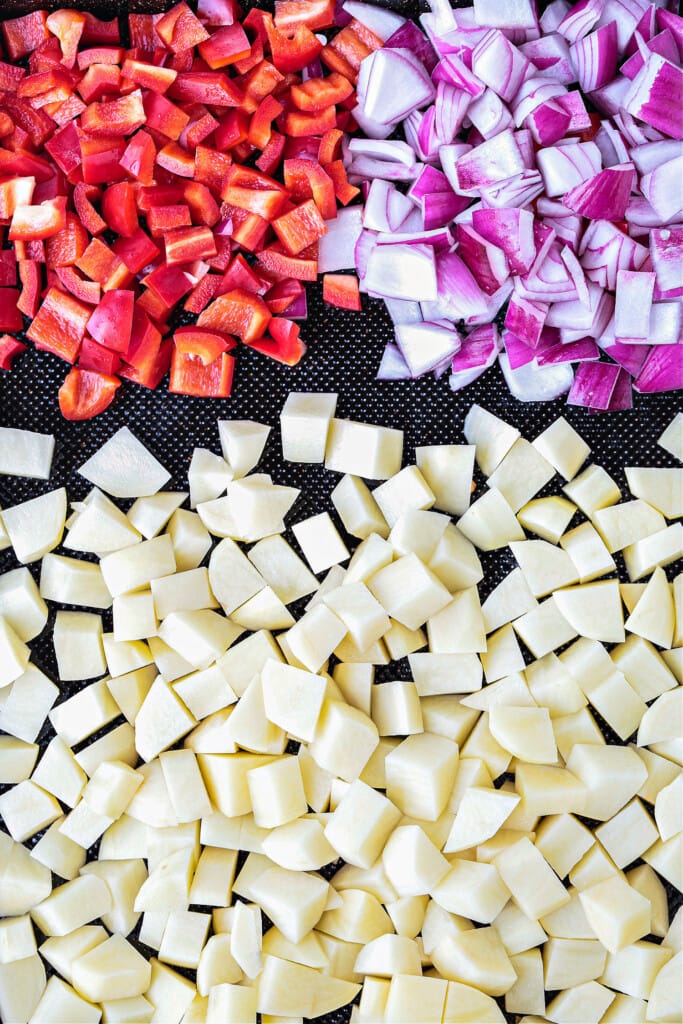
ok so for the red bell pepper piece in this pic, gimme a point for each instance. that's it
(176, 160)
(294, 49)
(8, 268)
(10, 317)
(201, 126)
(139, 157)
(160, 195)
(13, 193)
(218, 12)
(205, 344)
(271, 156)
(315, 14)
(68, 27)
(165, 218)
(316, 94)
(145, 340)
(203, 207)
(111, 322)
(98, 81)
(143, 35)
(86, 291)
(65, 148)
(169, 284)
(10, 76)
(100, 263)
(119, 209)
(300, 227)
(242, 67)
(137, 251)
(299, 124)
(68, 245)
(306, 179)
(284, 345)
(34, 222)
(211, 87)
(99, 55)
(10, 348)
(238, 312)
(148, 76)
(153, 373)
(232, 129)
(20, 163)
(346, 51)
(226, 46)
(164, 116)
(282, 295)
(261, 124)
(59, 325)
(343, 190)
(180, 28)
(189, 376)
(240, 275)
(211, 168)
(29, 275)
(223, 255)
(329, 149)
(342, 290)
(85, 394)
(100, 32)
(274, 260)
(262, 80)
(117, 117)
(184, 245)
(87, 214)
(23, 35)
(97, 358)
(37, 125)
(202, 294)
(100, 158)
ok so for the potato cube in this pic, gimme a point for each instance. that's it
(592, 490)
(563, 840)
(534, 886)
(635, 969)
(547, 517)
(277, 792)
(409, 591)
(364, 450)
(395, 709)
(293, 900)
(612, 776)
(625, 524)
(477, 958)
(480, 814)
(315, 636)
(304, 425)
(17, 940)
(136, 567)
(420, 775)
(26, 809)
(17, 759)
(521, 474)
(412, 862)
(527, 994)
(60, 1001)
(293, 990)
(361, 824)
(112, 970)
(570, 962)
(459, 627)
(490, 522)
(185, 785)
(111, 788)
(616, 912)
(27, 704)
(320, 542)
(492, 437)
(628, 834)
(73, 904)
(589, 1001)
(169, 993)
(472, 890)
(563, 447)
(363, 616)
(357, 508)
(162, 720)
(184, 937)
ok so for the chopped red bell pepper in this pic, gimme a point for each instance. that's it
(101, 159)
(111, 322)
(183, 245)
(87, 214)
(344, 191)
(282, 294)
(211, 168)
(98, 81)
(33, 222)
(205, 344)
(276, 261)
(10, 348)
(87, 291)
(316, 14)
(100, 32)
(271, 156)
(97, 358)
(227, 46)
(202, 294)
(119, 209)
(59, 325)
(189, 376)
(180, 28)
(292, 49)
(176, 160)
(68, 27)
(211, 87)
(68, 245)
(316, 94)
(10, 317)
(348, 49)
(23, 35)
(298, 123)
(151, 375)
(145, 340)
(117, 117)
(203, 207)
(13, 193)
(306, 179)
(240, 275)
(100, 55)
(284, 345)
(148, 76)
(164, 116)
(342, 290)
(100, 263)
(139, 157)
(300, 227)
(261, 124)
(8, 268)
(65, 148)
(85, 394)
(29, 275)
(137, 251)
(329, 149)
(169, 284)
(165, 218)
(262, 80)
(238, 312)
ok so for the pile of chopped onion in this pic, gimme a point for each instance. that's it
(538, 171)
(263, 827)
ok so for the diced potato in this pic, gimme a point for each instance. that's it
(445, 673)
(454, 560)
(361, 613)
(635, 968)
(124, 468)
(616, 912)
(14, 654)
(477, 958)
(112, 970)
(472, 890)
(521, 474)
(17, 939)
(249, 727)
(136, 567)
(534, 886)
(257, 507)
(190, 539)
(571, 962)
(395, 709)
(293, 900)
(447, 469)
(357, 508)
(162, 720)
(389, 955)
(503, 656)
(99, 526)
(517, 931)
(665, 1002)
(666, 858)
(628, 834)
(625, 524)
(544, 628)
(589, 1001)
(527, 994)
(60, 1001)
(490, 522)
(355, 683)
(73, 904)
(60, 951)
(361, 449)
(510, 599)
(653, 617)
(669, 809)
(292, 699)
(526, 733)
(548, 517)
(594, 610)
(672, 438)
(660, 487)
(407, 490)
(208, 476)
(662, 720)
(492, 436)
(151, 514)
(288, 989)
(72, 581)
(459, 627)
(420, 774)
(592, 490)
(563, 447)
(412, 862)
(277, 792)
(304, 425)
(36, 526)
(200, 637)
(356, 916)
(344, 740)
(588, 552)
(314, 637)
(26, 809)
(184, 938)
(242, 442)
(361, 824)
(320, 542)
(660, 548)
(169, 993)
(409, 591)
(480, 814)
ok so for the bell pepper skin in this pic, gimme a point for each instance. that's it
(59, 326)
(29, 275)
(139, 157)
(300, 227)
(206, 345)
(30, 223)
(68, 245)
(227, 46)
(10, 317)
(180, 28)
(101, 264)
(23, 35)
(202, 294)
(184, 245)
(97, 358)
(119, 209)
(342, 290)
(151, 375)
(189, 376)
(8, 268)
(10, 348)
(85, 291)
(237, 312)
(294, 49)
(284, 344)
(87, 214)
(111, 323)
(306, 179)
(137, 251)
(315, 14)
(117, 117)
(85, 394)
(148, 76)
(317, 93)
(101, 159)
(276, 261)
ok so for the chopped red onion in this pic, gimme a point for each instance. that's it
(632, 310)
(593, 385)
(393, 366)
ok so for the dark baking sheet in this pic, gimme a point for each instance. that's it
(344, 350)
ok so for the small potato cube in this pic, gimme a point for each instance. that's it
(588, 552)
(534, 886)
(17, 940)
(544, 628)
(459, 627)
(527, 733)
(547, 517)
(357, 508)
(184, 937)
(364, 450)
(162, 720)
(363, 616)
(408, 591)
(594, 610)
(545, 567)
(242, 442)
(672, 438)
(304, 425)
(315, 636)
(150, 515)
(413, 864)
(395, 709)
(592, 490)
(658, 486)
(563, 448)
(625, 524)
(527, 994)
(589, 1001)
(183, 592)
(492, 437)
(291, 990)
(292, 699)
(190, 539)
(26, 809)
(612, 776)
(420, 775)
(17, 759)
(521, 474)
(490, 522)
(277, 792)
(204, 692)
(447, 469)
(454, 560)
(112, 970)
(356, 916)
(570, 962)
(320, 542)
(14, 654)
(407, 490)
(78, 646)
(479, 816)
(477, 958)
(134, 616)
(60, 1001)
(36, 526)
(635, 969)
(616, 912)
(73, 904)
(282, 569)
(472, 890)
(389, 955)
(21, 603)
(293, 900)
(135, 567)
(355, 683)
(628, 834)
(169, 993)
(510, 599)
(185, 785)
(111, 788)
(563, 840)
(361, 824)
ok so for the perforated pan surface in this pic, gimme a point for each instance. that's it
(344, 350)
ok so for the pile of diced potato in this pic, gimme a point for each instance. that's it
(500, 853)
